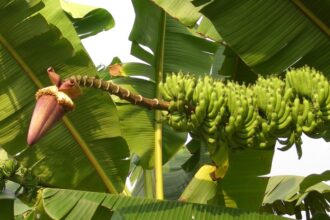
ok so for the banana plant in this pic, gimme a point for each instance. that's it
(96, 156)
(96, 150)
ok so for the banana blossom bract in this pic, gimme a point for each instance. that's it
(52, 103)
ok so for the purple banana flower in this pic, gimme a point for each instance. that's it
(52, 103)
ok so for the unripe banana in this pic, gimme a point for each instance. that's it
(295, 109)
(165, 93)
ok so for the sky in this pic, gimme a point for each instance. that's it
(106, 45)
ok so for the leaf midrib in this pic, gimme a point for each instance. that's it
(320, 24)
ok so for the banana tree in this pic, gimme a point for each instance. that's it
(96, 138)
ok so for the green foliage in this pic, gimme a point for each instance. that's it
(268, 36)
(271, 36)
(59, 203)
(29, 44)
(265, 37)
(290, 195)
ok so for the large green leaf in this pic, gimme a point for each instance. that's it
(289, 195)
(314, 179)
(71, 204)
(83, 151)
(182, 50)
(242, 183)
(271, 36)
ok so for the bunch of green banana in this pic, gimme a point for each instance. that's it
(214, 113)
(312, 99)
(242, 122)
(178, 90)
(236, 115)
(275, 117)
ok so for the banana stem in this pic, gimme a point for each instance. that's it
(148, 184)
(158, 123)
(109, 86)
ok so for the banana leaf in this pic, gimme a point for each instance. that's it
(313, 179)
(291, 195)
(202, 189)
(182, 50)
(269, 36)
(206, 29)
(85, 150)
(187, 12)
(59, 203)
(87, 20)
(242, 183)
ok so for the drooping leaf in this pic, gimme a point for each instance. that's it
(175, 177)
(89, 137)
(72, 204)
(87, 20)
(187, 12)
(270, 36)
(288, 195)
(314, 179)
(84, 20)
